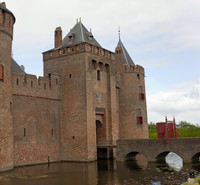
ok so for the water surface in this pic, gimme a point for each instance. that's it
(102, 172)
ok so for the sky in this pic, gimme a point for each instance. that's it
(161, 35)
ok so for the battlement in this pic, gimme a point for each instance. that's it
(133, 68)
(7, 20)
(83, 47)
(30, 85)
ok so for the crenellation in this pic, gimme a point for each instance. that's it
(6, 22)
(30, 85)
(133, 68)
(61, 52)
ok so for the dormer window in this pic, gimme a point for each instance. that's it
(90, 36)
(70, 36)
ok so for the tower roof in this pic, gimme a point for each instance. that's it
(3, 7)
(126, 57)
(79, 34)
(15, 67)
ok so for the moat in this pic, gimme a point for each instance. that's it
(102, 172)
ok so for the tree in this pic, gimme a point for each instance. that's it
(185, 124)
(152, 125)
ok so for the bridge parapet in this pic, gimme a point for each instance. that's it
(156, 150)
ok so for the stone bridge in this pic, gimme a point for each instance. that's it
(155, 150)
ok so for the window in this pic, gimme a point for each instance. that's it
(70, 75)
(10, 106)
(31, 83)
(24, 132)
(1, 72)
(52, 132)
(139, 117)
(138, 77)
(45, 86)
(17, 81)
(98, 74)
(94, 64)
(141, 93)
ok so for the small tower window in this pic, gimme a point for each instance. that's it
(45, 86)
(31, 83)
(17, 81)
(141, 93)
(98, 75)
(1, 72)
(70, 75)
(138, 77)
(139, 117)
(24, 132)
(52, 132)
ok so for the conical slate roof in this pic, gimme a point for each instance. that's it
(79, 34)
(126, 57)
(15, 67)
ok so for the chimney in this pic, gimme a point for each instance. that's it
(58, 37)
(3, 4)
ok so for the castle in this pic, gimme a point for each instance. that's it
(88, 98)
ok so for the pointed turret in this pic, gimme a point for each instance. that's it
(126, 59)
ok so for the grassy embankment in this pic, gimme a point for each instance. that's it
(183, 130)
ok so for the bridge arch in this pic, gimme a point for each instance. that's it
(161, 157)
(131, 156)
(196, 158)
(136, 159)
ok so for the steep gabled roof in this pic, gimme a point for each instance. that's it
(15, 67)
(79, 35)
(126, 57)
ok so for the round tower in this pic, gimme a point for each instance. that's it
(7, 21)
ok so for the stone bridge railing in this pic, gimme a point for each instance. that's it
(156, 150)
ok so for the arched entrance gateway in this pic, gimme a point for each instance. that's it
(100, 133)
(101, 140)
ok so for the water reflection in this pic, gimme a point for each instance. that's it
(174, 161)
(103, 172)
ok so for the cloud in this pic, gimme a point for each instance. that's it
(182, 102)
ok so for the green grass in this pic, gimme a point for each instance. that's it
(182, 132)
